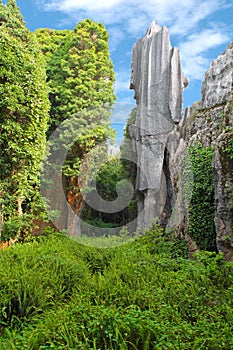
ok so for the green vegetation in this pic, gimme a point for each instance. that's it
(115, 171)
(229, 150)
(24, 109)
(141, 291)
(58, 294)
(76, 73)
(50, 40)
(80, 72)
(80, 80)
(201, 208)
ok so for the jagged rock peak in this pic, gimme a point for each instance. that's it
(153, 29)
(217, 85)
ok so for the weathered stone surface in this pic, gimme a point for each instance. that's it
(209, 123)
(158, 84)
(218, 80)
(161, 139)
(223, 177)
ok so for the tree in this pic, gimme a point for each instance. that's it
(24, 109)
(80, 73)
(80, 79)
(114, 172)
(50, 40)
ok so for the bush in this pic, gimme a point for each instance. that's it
(57, 294)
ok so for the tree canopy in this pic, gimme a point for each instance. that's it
(24, 110)
(80, 71)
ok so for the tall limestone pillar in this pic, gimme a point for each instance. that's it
(158, 85)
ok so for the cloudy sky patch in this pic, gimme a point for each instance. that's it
(200, 29)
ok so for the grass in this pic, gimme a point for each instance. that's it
(104, 242)
(58, 294)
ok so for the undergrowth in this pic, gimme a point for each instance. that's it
(58, 294)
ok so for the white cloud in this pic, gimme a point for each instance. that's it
(137, 24)
(133, 16)
(190, 15)
(200, 42)
(193, 50)
(178, 14)
(87, 5)
(116, 35)
(195, 67)
(188, 22)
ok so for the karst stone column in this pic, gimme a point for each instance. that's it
(158, 85)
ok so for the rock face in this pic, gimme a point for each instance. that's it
(218, 80)
(210, 122)
(161, 140)
(158, 84)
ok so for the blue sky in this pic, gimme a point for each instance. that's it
(201, 29)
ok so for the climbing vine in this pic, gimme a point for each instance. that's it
(201, 209)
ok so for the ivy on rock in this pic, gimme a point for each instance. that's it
(202, 206)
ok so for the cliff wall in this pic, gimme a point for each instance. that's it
(208, 124)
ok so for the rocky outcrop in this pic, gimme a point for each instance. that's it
(217, 96)
(210, 122)
(158, 84)
(218, 80)
(161, 140)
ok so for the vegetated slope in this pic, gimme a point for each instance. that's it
(57, 294)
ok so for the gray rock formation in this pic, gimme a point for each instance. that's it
(161, 140)
(218, 80)
(217, 95)
(158, 84)
(210, 123)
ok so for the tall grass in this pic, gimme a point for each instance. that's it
(58, 294)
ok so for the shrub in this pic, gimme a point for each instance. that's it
(58, 294)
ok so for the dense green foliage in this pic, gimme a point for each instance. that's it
(80, 80)
(57, 294)
(229, 150)
(80, 72)
(50, 40)
(115, 172)
(201, 208)
(106, 181)
(23, 119)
